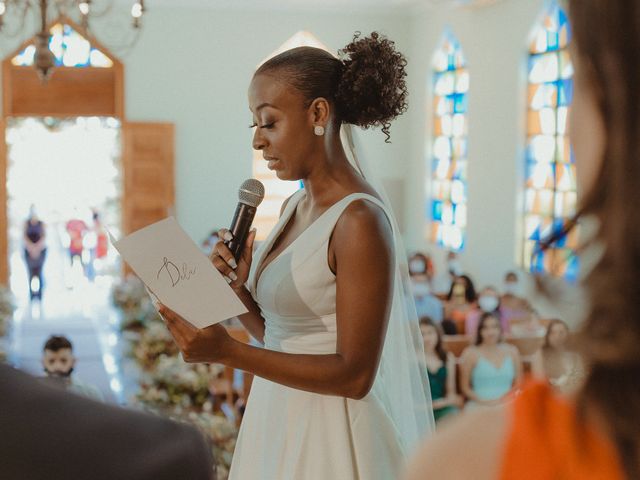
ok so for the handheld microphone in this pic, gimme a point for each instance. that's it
(250, 195)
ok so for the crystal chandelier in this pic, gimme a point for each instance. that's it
(17, 13)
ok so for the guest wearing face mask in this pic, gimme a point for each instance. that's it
(421, 267)
(58, 362)
(460, 301)
(427, 304)
(488, 302)
(513, 306)
(442, 283)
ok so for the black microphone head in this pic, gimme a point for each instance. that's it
(251, 192)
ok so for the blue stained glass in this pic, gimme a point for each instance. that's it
(563, 20)
(460, 172)
(461, 102)
(552, 40)
(573, 267)
(436, 210)
(558, 225)
(451, 64)
(565, 92)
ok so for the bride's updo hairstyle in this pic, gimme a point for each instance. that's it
(365, 85)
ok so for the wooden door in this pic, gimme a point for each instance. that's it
(148, 170)
(4, 227)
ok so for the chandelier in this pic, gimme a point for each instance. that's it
(16, 14)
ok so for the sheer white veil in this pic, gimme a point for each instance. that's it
(402, 375)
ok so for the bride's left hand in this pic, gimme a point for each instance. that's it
(197, 345)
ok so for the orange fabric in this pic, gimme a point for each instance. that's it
(548, 441)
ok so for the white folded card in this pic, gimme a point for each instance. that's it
(178, 274)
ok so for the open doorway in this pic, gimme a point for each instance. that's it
(67, 174)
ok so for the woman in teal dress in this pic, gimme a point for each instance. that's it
(441, 368)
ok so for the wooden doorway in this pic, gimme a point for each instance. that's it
(75, 91)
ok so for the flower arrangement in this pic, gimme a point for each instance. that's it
(153, 342)
(221, 434)
(174, 383)
(7, 306)
(131, 297)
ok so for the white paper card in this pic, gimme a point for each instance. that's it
(176, 271)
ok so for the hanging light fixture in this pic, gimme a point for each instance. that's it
(14, 15)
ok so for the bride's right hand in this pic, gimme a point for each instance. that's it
(222, 258)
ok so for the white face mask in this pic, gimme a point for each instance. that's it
(512, 288)
(488, 303)
(455, 267)
(421, 289)
(416, 266)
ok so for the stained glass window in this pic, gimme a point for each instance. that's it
(276, 190)
(550, 171)
(447, 205)
(69, 48)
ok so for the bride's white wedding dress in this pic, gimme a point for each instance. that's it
(289, 434)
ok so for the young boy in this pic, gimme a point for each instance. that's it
(58, 363)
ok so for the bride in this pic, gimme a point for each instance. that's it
(340, 388)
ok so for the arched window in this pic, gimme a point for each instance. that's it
(69, 48)
(276, 190)
(550, 172)
(447, 206)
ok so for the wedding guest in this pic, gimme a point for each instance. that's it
(35, 251)
(488, 302)
(513, 306)
(421, 267)
(460, 301)
(49, 433)
(442, 282)
(441, 368)
(427, 304)
(555, 362)
(59, 362)
(490, 369)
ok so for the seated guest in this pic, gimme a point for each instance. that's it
(528, 325)
(421, 267)
(441, 368)
(554, 362)
(47, 433)
(427, 304)
(460, 301)
(443, 281)
(488, 302)
(513, 306)
(490, 369)
(58, 362)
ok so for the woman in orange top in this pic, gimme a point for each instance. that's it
(594, 434)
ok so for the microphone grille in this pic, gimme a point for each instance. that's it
(251, 192)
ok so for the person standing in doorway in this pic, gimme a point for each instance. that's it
(35, 251)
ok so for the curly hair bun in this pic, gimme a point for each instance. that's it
(372, 89)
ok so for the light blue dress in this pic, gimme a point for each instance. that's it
(491, 383)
